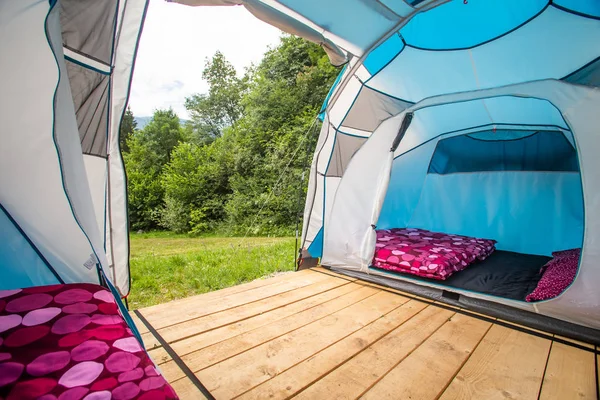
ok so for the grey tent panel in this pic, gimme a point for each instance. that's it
(343, 150)
(90, 98)
(371, 107)
(88, 27)
(589, 75)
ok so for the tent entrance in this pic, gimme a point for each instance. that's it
(518, 186)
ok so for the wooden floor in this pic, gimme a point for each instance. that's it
(317, 335)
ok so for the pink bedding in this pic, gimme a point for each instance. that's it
(558, 274)
(428, 254)
(69, 342)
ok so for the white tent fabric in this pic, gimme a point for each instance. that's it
(67, 66)
(344, 28)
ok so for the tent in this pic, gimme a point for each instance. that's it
(474, 77)
(67, 68)
(468, 117)
(440, 83)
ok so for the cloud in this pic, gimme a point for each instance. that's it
(175, 44)
(175, 85)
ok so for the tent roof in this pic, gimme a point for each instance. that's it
(345, 28)
(353, 27)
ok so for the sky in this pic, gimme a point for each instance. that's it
(175, 44)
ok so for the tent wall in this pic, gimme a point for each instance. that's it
(42, 176)
(129, 27)
(100, 41)
(526, 212)
(69, 67)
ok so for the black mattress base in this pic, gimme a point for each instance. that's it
(503, 274)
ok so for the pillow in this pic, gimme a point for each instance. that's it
(558, 275)
(566, 253)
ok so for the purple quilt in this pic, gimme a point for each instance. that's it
(428, 254)
(69, 342)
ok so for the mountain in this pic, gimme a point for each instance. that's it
(143, 121)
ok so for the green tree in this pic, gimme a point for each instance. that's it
(220, 170)
(149, 151)
(220, 107)
(285, 93)
(128, 127)
(196, 185)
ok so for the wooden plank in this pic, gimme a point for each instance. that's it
(584, 344)
(329, 272)
(308, 371)
(240, 373)
(166, 307)
(442, 304)
(198, 325)
(159, 355)
(220, 351)
(507, 364)
(357, 375)
(194, 327)
(186, 390)
(425, 373)
(570, 374)
(138, 323)
(150, 342)
(206, 339)
(525, 327)
(201, 307)
(389, 289)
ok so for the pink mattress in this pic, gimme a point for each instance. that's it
(428, 254)
(69, 342)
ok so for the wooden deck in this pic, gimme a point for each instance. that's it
(317, 335)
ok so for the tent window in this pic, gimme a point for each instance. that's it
(371, 108)
(87, 27)
(343, 151)
(504, 151)
(91, 107)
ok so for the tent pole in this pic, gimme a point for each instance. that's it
(298, 249)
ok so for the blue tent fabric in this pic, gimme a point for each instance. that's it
(21, 263)
(546, 151)
(459, 26)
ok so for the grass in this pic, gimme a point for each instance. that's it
(166, 266)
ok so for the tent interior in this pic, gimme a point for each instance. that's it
(516, 181)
